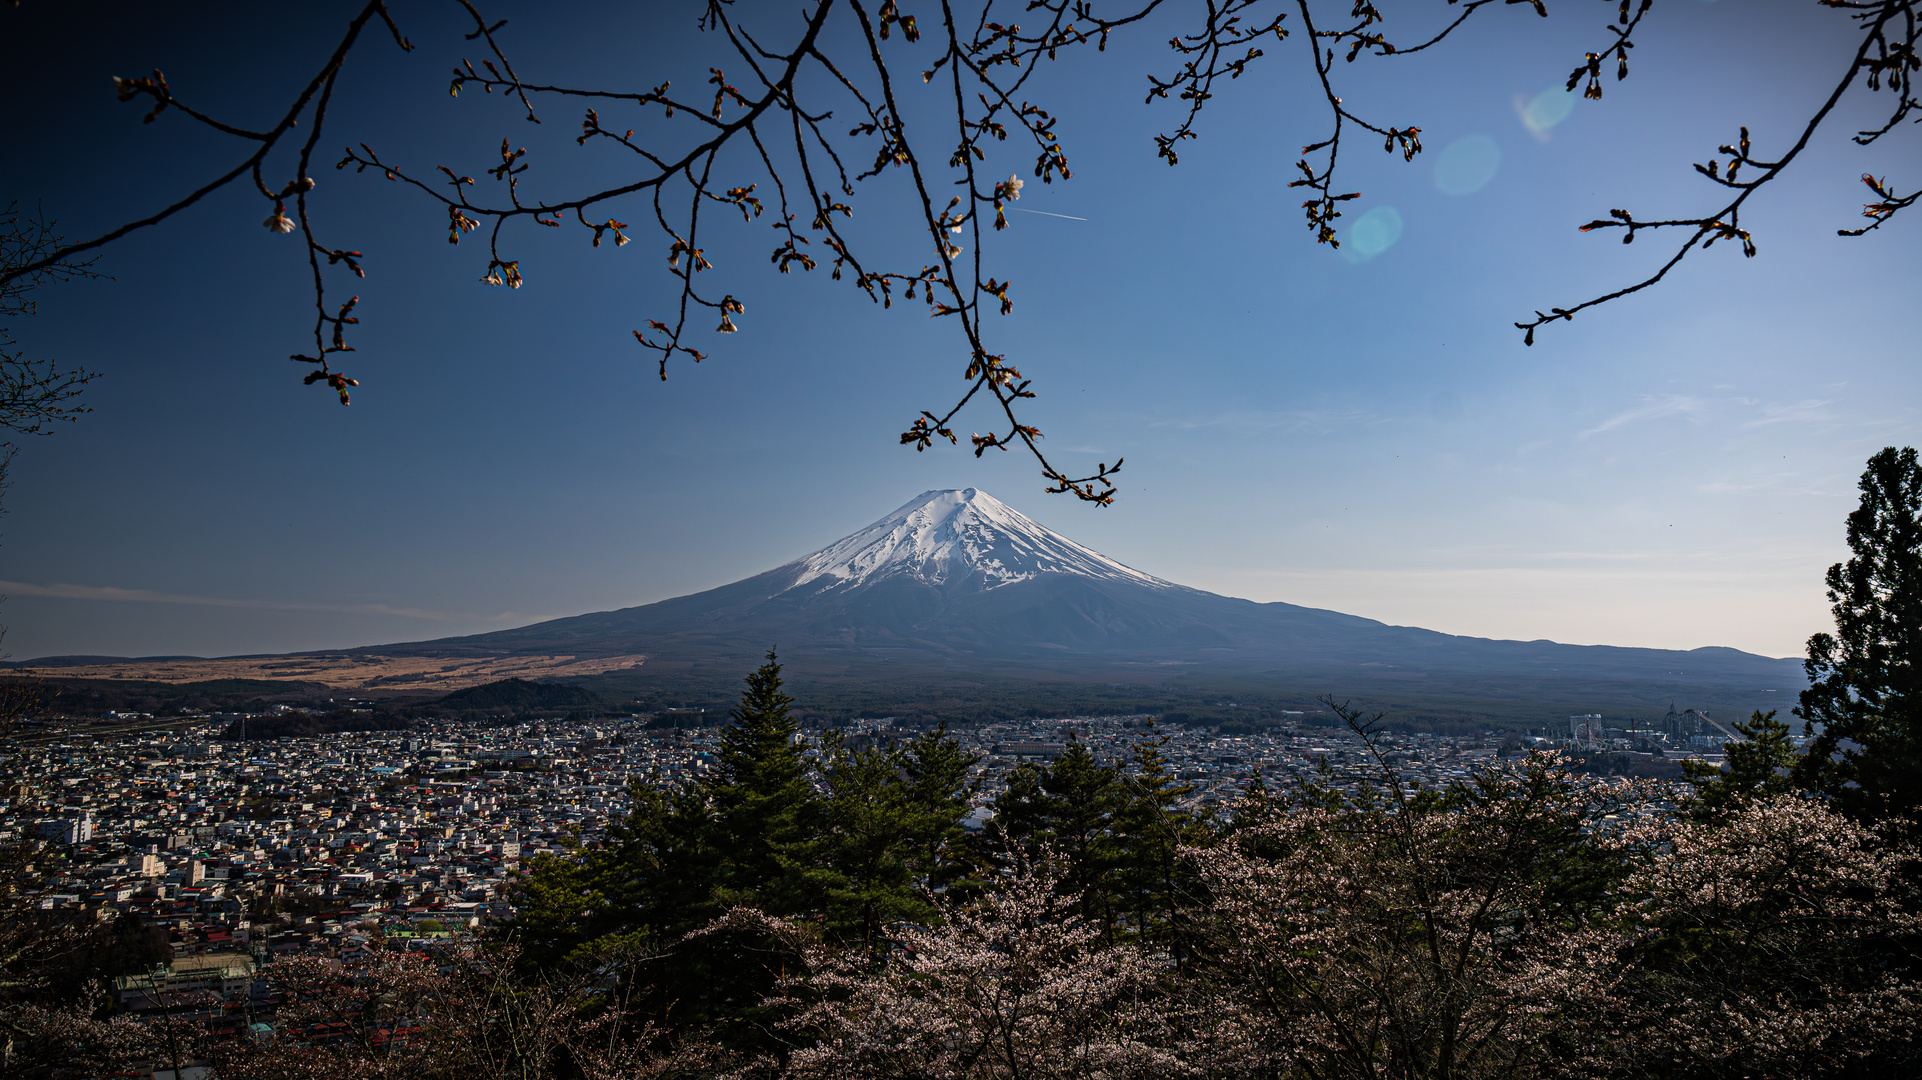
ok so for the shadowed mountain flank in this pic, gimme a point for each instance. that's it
(958, 583)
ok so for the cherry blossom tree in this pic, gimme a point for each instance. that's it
(1770, 944)
(1384, 933)
(65, 1040)
(466, 1012)
(1014, 987)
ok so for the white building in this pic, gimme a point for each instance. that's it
(68, 831)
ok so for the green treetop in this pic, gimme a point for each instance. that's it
(1864, 702)
(759, 796)
(1069, 810)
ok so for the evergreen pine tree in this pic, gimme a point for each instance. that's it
(1021, 810)
(890, 832)
(680, 860)
(739, 836)
(1758, 767)
(1069, 807)
(859, 867)
(940, 794)
(1864, 702)
(760, 798)
(1150, 828)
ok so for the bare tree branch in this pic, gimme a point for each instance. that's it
(772, 120)
(1881, 56)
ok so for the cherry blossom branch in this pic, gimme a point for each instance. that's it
(155, 88)
(1876, 56)
(809, 174)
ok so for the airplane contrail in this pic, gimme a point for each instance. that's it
(1070, 217)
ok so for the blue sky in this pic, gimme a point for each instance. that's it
(1365, 434)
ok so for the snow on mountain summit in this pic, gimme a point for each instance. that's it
(949, 536)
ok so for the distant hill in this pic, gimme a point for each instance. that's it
(306, 725)
(521, 694)
(89, 661)
(512, 697)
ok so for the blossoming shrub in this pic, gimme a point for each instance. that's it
(1526, 923)
(1016, 985)
(1387, 933)
(464, 1013)
(1768, 945)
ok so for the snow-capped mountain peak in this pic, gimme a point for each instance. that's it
(949, 536)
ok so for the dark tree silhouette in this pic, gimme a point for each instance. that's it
(1864, 701)
(35, 394)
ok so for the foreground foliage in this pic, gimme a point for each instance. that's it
(818, 912)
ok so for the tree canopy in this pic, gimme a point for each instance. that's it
(1863, 707)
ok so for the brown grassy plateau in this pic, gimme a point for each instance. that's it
(356, 670)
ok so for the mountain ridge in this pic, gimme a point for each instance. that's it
(959, 533)
(957, 579)
(955, 589)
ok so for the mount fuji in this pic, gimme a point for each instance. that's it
(967, 537)
(957, 583)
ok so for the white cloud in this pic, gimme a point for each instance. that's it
(1654, 409)
(1802, 412)
(1291, 422)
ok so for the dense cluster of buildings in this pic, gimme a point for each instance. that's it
(242, 852)
(1646, 747)
(1219, 768)
(428, 826)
